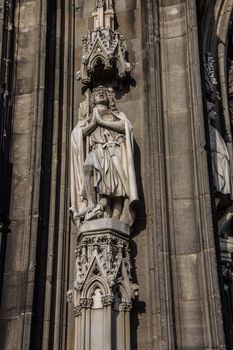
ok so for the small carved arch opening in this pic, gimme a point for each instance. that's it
(95, 283)
(121, 294)
(98, 61)
(103, 71)
(97, 320)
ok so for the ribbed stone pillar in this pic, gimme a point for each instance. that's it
(187, 307)
(102, 290)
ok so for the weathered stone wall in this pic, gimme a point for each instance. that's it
(173, 248)
(18, 286)
(187, 310)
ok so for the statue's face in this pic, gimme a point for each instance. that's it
(101, 97)
(211, 111)
(212, 115)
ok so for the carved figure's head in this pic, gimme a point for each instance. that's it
(104, 96)
(100, 95)
(211, 111)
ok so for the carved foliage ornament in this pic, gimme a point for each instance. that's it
(103, 264)
(104, 256)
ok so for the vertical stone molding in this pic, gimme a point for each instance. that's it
(196, 306)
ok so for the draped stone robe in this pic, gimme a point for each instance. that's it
(220, 162)
(113, 162)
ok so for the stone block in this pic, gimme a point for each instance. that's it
(191, 326)
(176, 54)
(81, 28)
(15, 246)
(101, 225)
(124, 5)
(178, 99)
(173, 25)
(19, 192)
(9, 329)
(183, 180)
(25, 82)
(180, 144)
(186, 231)
(128, 21)
(28, 16)
(188, 276)
(23, 113)
(25, 48)
(12, 291)
(21, 154)
(87, 8)
(133, 111)
(171, 3)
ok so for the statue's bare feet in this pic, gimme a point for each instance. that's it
(81, 214)
(95, 213)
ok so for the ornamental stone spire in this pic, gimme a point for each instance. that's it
(103, 47)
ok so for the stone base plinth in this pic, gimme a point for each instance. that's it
(103, 289)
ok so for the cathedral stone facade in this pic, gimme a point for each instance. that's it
(116, 168)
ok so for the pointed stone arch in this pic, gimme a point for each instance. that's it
(92, 284)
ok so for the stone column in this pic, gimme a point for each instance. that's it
(26, 149)
(184, 291)
(107, 302)
(192, 258)
(99, 287)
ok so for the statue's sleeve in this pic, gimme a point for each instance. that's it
(76, 168)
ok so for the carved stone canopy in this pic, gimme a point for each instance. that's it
(103, 47)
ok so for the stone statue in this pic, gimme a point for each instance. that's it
(219, 155)
(103, 182)
(221, 174)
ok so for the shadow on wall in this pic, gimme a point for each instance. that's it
(139, 306)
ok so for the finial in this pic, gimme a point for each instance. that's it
(100, 3)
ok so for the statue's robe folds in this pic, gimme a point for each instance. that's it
(107, 176)
(220, 162)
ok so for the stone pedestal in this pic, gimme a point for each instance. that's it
(102, 289)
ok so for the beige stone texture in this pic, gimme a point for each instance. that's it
(173, 249)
